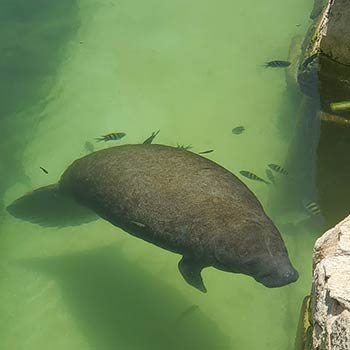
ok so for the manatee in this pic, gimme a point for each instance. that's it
(179, 201)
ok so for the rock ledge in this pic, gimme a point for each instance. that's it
(330, 297)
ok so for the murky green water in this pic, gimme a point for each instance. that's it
(74, 70)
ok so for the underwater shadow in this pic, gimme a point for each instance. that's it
(33, 36)
(333, 168)
(119, 306)
(299, 118)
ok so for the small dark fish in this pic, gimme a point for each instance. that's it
(252, 176)
(298, 25)
(238, 130)
(277, 64)
(151, 138)
(278, 169)
(111, 137)
(186, 148)
(206, 152)
(44, 170)
(313, 208)
(270, 176)
(89, 147)
(186, 313)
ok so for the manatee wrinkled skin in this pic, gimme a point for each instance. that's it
(184, 203)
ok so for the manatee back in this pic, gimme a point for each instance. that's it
(168, 196)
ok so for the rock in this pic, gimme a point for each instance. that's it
(323, 76)
(324, 70)
(335, 42)
(330, 297)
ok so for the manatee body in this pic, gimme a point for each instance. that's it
(184, 203)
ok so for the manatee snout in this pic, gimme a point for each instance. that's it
(260, 253)
(283, 274)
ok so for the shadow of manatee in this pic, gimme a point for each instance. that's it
(47, 207)
(119, 306)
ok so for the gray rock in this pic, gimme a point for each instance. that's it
(335, 41)
(331, 289)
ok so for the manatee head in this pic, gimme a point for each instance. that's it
(256, 249)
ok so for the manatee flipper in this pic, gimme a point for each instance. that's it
(190, 270)
(46, 206)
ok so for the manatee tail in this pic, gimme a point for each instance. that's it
(46, 206)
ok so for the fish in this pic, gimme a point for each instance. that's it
(340, 106)
(277, 64)
(111, 137)
(89, 147)
(151, 138)
(238, 130)
(186, 313)
(206, 152)
(313, 208)
(186, 148)
(252, 176)
(270, 176)
(278, 169)
(44, 170)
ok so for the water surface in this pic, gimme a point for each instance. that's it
(79, 69)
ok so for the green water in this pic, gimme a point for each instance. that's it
(75, 70)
